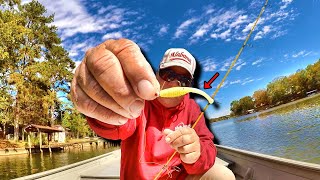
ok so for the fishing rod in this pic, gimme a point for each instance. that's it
(221, 83)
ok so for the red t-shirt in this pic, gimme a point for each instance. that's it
(143, 147)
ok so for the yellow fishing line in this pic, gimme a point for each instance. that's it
(221, 83)
(180, 91)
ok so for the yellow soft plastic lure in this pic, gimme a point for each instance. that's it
(180, 91)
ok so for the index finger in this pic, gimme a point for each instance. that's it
(136, 68)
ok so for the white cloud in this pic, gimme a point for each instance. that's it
(225, 66)
(73, 17)
(246, 81)
(263, 32)
(232, 24)
(163, 30)
(200, 32)
(257, 61)
(240, 20)
(77, 46)
(279, 33)
(183, 27)
(225, 83)
(256, 4)
(235, 82)
(105, 9)
(208, 65)
(240, 66)
(113, 35)
(209, 11)
(248, 27)
(307, 54)
(240, 38)
(219, 20)
(223, 35)
(285, 3)
(302, 53)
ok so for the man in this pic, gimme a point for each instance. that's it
(115, 87)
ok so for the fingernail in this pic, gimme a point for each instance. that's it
(167, 139)
(136, 107)
(146, 89)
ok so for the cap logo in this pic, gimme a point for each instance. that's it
(180, 56)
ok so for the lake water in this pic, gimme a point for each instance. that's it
(291, 132)
(22, 165)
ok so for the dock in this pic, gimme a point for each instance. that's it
(67, 146)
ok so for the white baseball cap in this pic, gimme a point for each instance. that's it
(179, 57)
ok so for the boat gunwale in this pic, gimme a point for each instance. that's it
(270, 158)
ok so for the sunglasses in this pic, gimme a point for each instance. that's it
(169, 75)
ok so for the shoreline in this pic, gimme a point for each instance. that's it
(287, 104)
(268, 110)
(13, 151)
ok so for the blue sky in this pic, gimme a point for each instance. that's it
(285, 40)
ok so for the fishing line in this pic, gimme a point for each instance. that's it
(221, 83)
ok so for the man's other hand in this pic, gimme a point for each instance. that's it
(186, 142)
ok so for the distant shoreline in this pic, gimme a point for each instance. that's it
(222, 118)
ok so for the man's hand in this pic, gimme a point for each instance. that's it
(112, 82)
(186, 141)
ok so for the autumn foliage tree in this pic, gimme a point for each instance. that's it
(260, 98)
(281, 90)
(32, 61)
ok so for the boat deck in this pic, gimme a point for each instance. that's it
(106, 166)
(111, 169)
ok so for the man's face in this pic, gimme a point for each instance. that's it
(172, 102)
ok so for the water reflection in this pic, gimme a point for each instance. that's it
(292, 131)
(21, 165)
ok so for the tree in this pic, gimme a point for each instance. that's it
(5, 109)
(260, 98)
(313, 76)
(35, 64)
(76, 122)
(235, 108)
(278, 90)
(246, 103)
